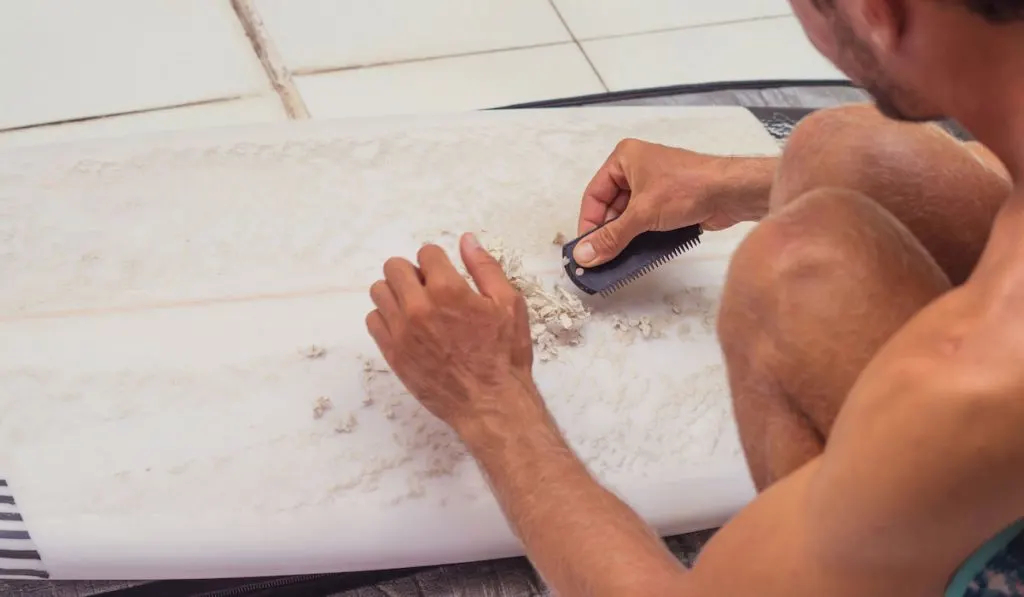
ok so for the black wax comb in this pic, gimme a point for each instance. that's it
(646, 252)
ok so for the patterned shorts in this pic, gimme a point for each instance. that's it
(1003, 576)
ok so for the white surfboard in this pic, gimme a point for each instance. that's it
(161, 295)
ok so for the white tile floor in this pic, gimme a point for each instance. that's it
(593, 19)
(445, 84)
(76, 70)
(67, 60)
(253, 110)
(773, 48)
(330, 34)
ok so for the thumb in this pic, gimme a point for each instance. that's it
(607, 242)
(485, 270)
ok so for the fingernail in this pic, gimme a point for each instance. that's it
(471, 242)
(584, 253)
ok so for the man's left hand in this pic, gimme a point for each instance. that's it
(465, 355)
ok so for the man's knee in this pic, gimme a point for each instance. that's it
(824, 241)
(787, 249)
(850, 147)
(814, 233)
(810, 295)
(941, 190)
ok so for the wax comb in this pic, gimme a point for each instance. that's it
(645, 253)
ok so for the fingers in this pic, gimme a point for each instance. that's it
(606, 243)
(485, 270)
(616, 208)
(385, 301)
(596, 211)
(438, 270)
(608, 187)
(404, 284)
(404, 280)
(378, 331)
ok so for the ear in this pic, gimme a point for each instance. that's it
(881, 24)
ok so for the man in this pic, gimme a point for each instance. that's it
(872, 324)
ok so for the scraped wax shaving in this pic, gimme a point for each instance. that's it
(348, 425)
(313, 352)
(427, 447)
(371, 369)
(698, 303)
(556, 315)
(322, 405)
(631, 325)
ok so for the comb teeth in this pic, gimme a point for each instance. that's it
(645, 253)
(650, 267)
(640, 273)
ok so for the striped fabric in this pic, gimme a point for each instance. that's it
(18, 555)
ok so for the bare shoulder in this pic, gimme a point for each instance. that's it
(929, 440)
(960, 356)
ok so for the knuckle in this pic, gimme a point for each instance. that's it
(517, 302)
(511, 300)
(418, 311)
(448, 288)
(627, 144)
(607, 239)
(492, 268)
(644, 211)
(504, 286)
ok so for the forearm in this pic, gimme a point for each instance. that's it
(745, 184)
(582, 539)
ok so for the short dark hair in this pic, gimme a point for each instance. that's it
(998, 11)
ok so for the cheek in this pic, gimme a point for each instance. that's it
(817, 28)
(825, 44)
(825, 41)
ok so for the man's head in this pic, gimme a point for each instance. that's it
(910, 54)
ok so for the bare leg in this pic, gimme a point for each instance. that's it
(945, 192)
(798, 327)
(870, 220)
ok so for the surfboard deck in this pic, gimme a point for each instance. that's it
(162, 293)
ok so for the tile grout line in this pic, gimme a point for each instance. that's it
(586, 56)
(279, 75)
(76, 120)
(336, 69)
(685, 27)
(573, 41)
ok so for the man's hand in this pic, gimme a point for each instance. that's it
(644, 186)
(459, 352)
(467, 357)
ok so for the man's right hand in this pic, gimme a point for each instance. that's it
(645, 186)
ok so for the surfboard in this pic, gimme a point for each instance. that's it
(187, 388)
